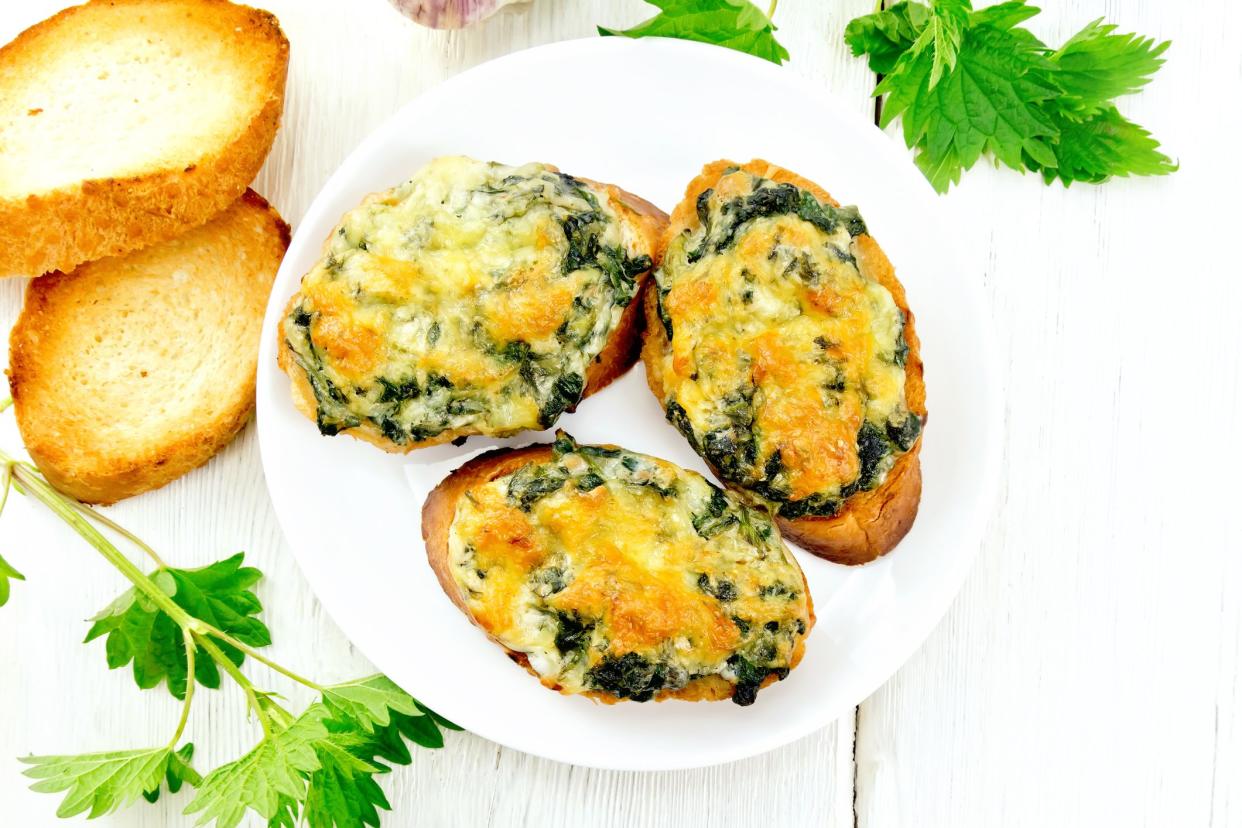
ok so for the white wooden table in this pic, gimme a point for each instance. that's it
(1089, 672)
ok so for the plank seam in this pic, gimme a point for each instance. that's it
(854, 761)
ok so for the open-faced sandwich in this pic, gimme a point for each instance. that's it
(618, 576)
(475, 298)
(780, 344)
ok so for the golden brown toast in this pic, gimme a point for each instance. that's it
(131, 371)
(126, 122)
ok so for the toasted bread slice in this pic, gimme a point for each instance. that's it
(391, 323)
(130, 371)
(633, 579)
(126, 122)
(869, 522)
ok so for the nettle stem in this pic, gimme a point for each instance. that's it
(258, 656)
(33, 484)
(194, 630)
(190, 649)
(229, 667)
(90, 513)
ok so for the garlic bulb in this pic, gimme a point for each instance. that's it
(450, 14)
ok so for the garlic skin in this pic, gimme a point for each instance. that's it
(450, 14)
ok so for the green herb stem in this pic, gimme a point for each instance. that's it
(43, 491)
(6, 480)
(190, 649)
(88, 512)
(5, 403)
(772, 9)
(244, 683)
(258, 656)
(76, 515)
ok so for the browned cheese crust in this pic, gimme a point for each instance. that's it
(869, 524)
(440, 509)
(618, 356)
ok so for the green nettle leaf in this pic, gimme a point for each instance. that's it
(1003, 15)
(320, 770)
(734, 24)
(1095, 66)
(368, 701)
(98, 782)
(1102, 146)
(177, 774)
(343, 791)
(990, 102)
(944, 35)
(275, 768)
(317, 769)
(7, 572)
(885, 36)
(971, 83)
(337, 796)
(138, 632)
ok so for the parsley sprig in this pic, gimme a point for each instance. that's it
(183, 627)
(968, 83)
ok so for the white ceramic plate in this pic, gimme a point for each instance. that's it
(645, 115)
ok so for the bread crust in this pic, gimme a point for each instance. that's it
(619, 354)
(439, 511)
(63, 444)
(111, 216)
(868, 524)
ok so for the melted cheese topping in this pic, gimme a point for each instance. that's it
(470, 299)
(785, 366)
(621, 574)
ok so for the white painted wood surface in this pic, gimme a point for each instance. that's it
(1087, 675)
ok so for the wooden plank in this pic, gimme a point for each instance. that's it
(348, 74)
(1088, 673)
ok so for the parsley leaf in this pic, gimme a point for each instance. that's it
(138, 632)
(7, 572)
(98, 782)
(734, 24)
(971, 83)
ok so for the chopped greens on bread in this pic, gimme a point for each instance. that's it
(618, 576)
(780, 346)
(475, 298)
